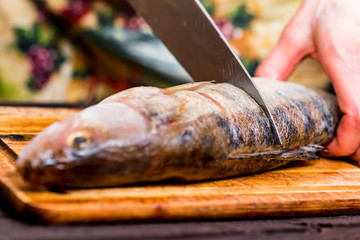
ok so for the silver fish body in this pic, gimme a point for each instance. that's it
(191, 132)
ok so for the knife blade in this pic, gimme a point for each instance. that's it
(192, 36)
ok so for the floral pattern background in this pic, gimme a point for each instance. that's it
(80, 51)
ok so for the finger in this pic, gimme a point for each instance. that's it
(356, 155)
(295, 43)
(347, 139)
(339, 63)
(282, 60)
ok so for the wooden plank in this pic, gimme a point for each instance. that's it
(30, 120)
(303, 188)
(16, 142)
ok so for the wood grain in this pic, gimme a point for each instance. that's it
(303, 188)
(29, 120)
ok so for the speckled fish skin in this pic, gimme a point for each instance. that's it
(191, 132)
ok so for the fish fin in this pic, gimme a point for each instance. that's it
(306, 152)
(187, 87)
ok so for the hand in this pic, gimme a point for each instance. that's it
(329, 31)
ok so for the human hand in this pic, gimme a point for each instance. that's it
(329, 31)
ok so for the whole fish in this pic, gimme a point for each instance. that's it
(191, 132)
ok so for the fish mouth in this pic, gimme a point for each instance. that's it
(27, 172)
(36, 175)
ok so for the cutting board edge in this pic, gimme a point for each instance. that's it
(46, 213)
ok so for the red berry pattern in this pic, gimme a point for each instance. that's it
(42, 65)
(75, 9)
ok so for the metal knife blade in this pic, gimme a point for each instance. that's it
(192, 36)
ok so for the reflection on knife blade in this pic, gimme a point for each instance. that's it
(192, 36)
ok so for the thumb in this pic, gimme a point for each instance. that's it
(295, 43)
(345, 77)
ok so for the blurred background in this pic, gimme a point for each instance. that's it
(81, 51)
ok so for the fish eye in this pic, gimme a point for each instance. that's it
(79, 141)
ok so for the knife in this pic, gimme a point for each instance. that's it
(189, 32)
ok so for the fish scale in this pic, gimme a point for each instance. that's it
(191, 132)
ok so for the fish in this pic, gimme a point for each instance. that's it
(187, 133)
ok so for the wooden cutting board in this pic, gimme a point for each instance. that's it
(302, 188)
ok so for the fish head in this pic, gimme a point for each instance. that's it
(77, 150)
